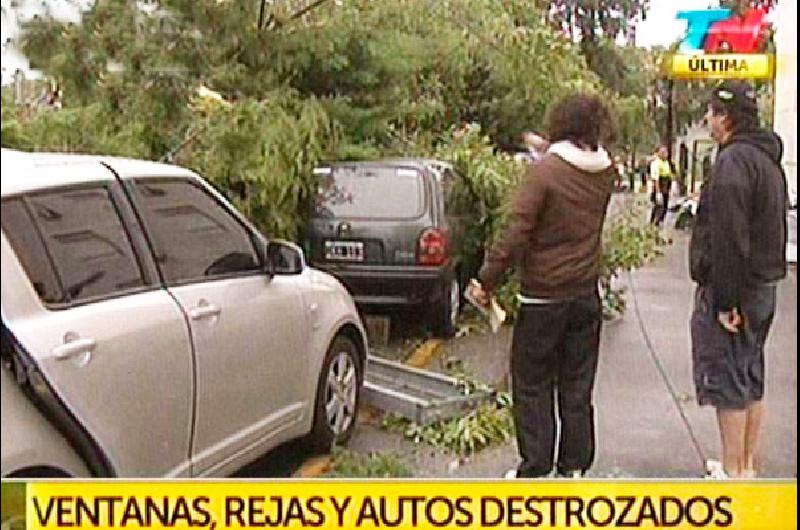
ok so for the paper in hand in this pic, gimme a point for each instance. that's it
(492, 311)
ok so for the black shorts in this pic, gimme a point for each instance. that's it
(729, 367)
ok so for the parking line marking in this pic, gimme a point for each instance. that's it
(423, 355)
(314, 467)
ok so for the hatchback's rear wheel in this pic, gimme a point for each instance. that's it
(338, 392)
(445, 313)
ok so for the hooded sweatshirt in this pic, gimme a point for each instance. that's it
(739, 237)
(554, 234)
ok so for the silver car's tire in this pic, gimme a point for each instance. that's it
(39, 472)
(338, 393)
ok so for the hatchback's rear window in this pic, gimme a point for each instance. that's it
(369, 192)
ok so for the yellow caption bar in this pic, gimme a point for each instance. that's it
(721, 66)
(412, 505)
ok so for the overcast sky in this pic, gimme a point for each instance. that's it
(9, 22)
(661, 27)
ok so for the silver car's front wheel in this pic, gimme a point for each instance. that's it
(341, 392)
(338, 391)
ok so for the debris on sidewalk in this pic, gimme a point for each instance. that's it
(375, 464)
(421, 396)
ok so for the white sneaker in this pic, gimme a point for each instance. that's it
(715, 471)
(510, 474)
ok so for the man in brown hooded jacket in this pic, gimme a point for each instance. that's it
(554, 240)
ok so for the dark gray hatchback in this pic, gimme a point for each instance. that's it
(388, 230)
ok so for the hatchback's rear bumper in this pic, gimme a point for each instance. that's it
(387, 287)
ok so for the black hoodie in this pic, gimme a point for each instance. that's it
(739, 238)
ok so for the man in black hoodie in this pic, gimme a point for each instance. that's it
(737, 254)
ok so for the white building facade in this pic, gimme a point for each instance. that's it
(786, 89)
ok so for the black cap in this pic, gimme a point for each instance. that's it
(735, 94)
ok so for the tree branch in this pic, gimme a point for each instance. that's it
(273, 22)
(309, 7)
(261, 14)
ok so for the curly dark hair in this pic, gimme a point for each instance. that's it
(582, 119)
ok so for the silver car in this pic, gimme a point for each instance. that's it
(149, 330)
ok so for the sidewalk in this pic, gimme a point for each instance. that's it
(640, 430)
(791, 247)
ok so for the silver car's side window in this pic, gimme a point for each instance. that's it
(24, 238)
(193, 236)
(84, 241)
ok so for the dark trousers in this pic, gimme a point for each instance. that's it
(659, 212)
(554, 353)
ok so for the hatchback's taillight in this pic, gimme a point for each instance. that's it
(432, 247)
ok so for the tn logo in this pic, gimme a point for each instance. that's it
(718, 31)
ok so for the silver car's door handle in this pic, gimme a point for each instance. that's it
(313, 308)
(205, 310)
(74, 348)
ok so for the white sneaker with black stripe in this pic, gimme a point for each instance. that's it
(715, 471)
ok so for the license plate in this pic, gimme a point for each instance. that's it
(344, 250)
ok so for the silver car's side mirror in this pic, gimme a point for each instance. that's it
(284, 257)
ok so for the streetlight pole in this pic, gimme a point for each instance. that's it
(670, 130)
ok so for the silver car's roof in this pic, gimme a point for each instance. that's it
(24, 172)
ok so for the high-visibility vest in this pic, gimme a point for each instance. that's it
(660, 169)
